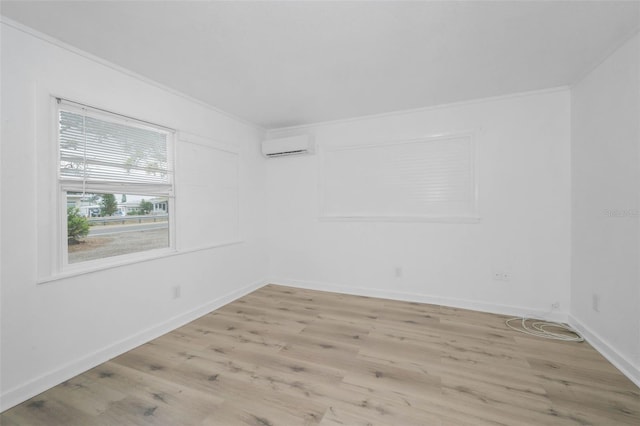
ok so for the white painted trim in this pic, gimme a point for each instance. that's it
(600, 344)
(58, 43)
(276, 131)
(516, 311)
(46, 381)
(206, 142)
(608, 53)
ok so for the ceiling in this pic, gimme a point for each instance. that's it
(279, 64)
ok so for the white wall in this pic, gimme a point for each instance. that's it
(524, 204)
(55, 330)
(606, 189)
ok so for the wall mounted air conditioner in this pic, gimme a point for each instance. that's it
(292, 145)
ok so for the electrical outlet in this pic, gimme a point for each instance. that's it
(595, 302)
(555, 306)
(176, 292)
(506, 276)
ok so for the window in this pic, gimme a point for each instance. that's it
(427, 179)
(115, 178)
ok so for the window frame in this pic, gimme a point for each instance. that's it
(63, 267)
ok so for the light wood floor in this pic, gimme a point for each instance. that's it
(285, 356)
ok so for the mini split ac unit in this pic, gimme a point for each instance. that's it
(292, 145)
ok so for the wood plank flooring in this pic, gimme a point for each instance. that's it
(286, 356)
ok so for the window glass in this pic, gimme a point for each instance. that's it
(106, 225)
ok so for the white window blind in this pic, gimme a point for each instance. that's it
(431, 178)
(102, 151)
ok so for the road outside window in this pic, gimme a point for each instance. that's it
(107, 225)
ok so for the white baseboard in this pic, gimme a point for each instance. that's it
(27, 390)
(46, 381)
(626, 366)
(516, 311)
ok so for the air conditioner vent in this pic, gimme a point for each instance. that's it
(292, 145)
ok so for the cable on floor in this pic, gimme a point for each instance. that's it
(544, 329)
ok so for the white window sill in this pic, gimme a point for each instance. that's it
(470, 219)
(124, 260)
